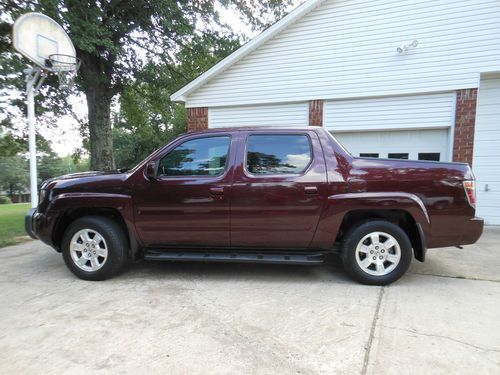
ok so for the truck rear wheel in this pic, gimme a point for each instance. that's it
(376, 252)
(94, 248)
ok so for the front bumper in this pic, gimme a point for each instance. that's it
(29, 220)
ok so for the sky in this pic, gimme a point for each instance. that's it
(65, 137)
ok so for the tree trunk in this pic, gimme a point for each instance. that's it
(101, 136)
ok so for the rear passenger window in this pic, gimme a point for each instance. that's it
(278, 154)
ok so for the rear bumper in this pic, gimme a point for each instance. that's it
(472, 231)
(29, 222)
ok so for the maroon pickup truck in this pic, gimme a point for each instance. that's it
(268, 195)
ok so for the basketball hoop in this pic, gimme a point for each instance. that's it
(45, 43)
(65, 67)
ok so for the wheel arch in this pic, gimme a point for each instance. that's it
(400, 217)
(71, 208)
(344, 210)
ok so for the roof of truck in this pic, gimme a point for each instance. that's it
(259, 128)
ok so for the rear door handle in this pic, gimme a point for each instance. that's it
(217, 190)
(311, 190)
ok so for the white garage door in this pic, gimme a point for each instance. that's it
(430, 111)
(401, 144)
(286, 114)
(408, 127)
(486, 162)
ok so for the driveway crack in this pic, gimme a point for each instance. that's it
(484, 349)
(368, 345)
(455, 277)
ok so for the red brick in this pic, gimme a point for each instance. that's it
(197, 119)
(465, 122)
(316, 113)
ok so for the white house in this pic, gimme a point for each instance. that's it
(414, 79)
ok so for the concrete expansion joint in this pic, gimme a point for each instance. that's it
(368, 345)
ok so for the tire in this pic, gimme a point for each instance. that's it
(94, 248)
(370, 259)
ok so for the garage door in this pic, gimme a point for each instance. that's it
(407, 127)
(286, 114)
(487, 151)
(408, 144)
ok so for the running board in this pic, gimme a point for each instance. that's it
(312, 258)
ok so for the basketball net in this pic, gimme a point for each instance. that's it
(65, 67)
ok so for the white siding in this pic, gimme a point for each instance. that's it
(485, 164)
(404, 112)
(287, 114)
(347, 49)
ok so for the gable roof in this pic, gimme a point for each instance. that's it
(299, 12)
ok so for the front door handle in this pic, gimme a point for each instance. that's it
(311, 190)
(217, 190)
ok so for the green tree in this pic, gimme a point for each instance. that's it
(116, 38)
(147, 118)
(14, 177)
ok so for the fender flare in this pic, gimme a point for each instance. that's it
(339, 205)
(122, 203)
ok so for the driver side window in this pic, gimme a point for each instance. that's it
(197, 157)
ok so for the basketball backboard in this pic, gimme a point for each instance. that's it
(37, 37)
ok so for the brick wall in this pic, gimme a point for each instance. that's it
(465, 121)
(197, 119)
(316, 113)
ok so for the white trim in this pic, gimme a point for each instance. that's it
(303, 9)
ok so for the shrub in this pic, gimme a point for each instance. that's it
(4, 200)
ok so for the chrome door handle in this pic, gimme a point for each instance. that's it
(311, 190)
(217, 190)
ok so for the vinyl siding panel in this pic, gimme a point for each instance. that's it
(404, 112)
(347, 49)
(287, 114)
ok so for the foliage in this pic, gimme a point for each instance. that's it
(5, 200)
(147, 118)
(14, 177)
(12, 223)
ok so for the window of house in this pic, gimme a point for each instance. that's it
(434, 156)
(278, 154)
(197, 157)
(368, 155)
(398, 155)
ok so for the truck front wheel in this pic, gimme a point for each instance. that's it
(94, 248)
(376, 252)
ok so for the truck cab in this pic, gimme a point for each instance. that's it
(268, 195)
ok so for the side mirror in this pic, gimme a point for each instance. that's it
(151, 170)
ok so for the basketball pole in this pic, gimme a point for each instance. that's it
(34, 79)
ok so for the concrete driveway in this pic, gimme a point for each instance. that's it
(443, 317)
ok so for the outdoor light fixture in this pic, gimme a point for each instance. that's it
(405, 47)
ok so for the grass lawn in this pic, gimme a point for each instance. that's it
(12, 223)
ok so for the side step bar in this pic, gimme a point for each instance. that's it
(312, 258)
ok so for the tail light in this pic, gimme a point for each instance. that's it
(470, 191)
